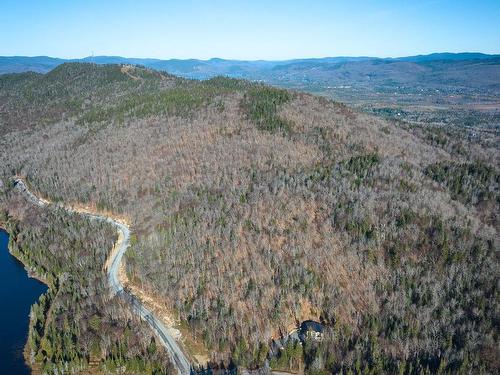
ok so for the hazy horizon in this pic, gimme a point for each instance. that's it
(244, 30)
(250, 60)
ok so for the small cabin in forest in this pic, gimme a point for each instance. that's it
(311, 329)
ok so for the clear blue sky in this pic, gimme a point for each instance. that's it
(257, 29)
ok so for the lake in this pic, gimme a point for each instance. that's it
(17, 293)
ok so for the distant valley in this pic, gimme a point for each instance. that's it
(457, 89)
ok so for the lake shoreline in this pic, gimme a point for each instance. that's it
(31, 273)
(33, 367)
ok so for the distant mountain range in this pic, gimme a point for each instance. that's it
(257, 69)
(420, 85)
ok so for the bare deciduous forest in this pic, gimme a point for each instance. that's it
(253, 208)
(76, 325)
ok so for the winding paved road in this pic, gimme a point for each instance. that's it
(176, 354)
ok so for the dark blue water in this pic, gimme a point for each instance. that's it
(17, 293)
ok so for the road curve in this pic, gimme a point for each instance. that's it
(176, 354)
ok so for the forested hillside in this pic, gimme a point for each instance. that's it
(454, 90)
(76, 326)
(254, 208)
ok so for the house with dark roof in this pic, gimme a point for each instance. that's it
(311, 329)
